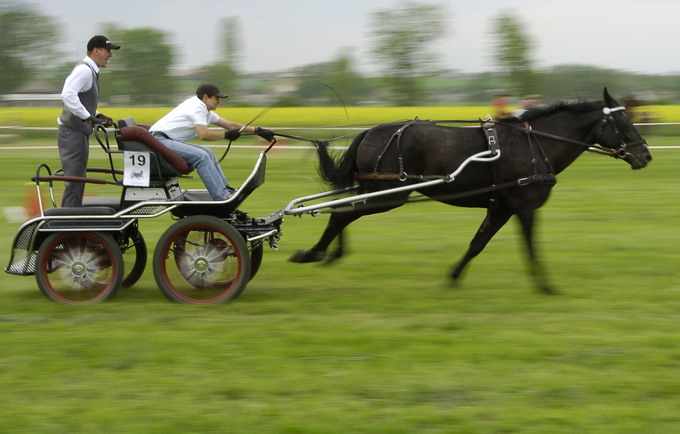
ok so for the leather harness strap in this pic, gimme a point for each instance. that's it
(488, 126)
(396, 138)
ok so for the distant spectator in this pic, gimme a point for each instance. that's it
(639, 115)
(632, 105)
(529, 101)
(500, 105)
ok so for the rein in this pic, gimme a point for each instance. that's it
(226, 151)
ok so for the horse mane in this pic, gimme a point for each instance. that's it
(560, 106)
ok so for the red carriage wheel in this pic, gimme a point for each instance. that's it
(202, 260)
(79, 267)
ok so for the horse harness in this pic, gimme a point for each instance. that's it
(540, 176)
(402, 175)
(488, 126)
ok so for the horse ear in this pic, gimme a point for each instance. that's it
(608, 100)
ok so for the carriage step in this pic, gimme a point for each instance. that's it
(77, 211)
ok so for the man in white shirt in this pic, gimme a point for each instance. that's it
(189, 120)
(80, 97)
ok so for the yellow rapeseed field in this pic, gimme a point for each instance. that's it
(293, 116)
(286, 116)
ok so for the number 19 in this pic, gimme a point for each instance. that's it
(139, 159)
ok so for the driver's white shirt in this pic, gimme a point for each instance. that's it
(78, 81)
(180, 123)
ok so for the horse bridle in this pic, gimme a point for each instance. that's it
(594, 146)
(608, 118)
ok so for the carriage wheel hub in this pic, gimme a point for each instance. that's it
(201, 265)
(78, 269)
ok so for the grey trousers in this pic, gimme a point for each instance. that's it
(74, 151)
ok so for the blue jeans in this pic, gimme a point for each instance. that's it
(204, 161)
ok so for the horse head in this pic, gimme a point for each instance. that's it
(617, 134)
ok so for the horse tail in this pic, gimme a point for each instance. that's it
(339, 172)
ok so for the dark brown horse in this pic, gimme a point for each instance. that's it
(533, 149)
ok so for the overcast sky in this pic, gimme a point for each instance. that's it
(633, 35)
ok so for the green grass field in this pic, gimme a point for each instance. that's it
(378, 342)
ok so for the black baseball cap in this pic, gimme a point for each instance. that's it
(100, 41)
(210, 90)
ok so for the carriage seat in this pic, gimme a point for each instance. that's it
(106, 201)
(168, 164)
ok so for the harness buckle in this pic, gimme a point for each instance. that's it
(491, 137)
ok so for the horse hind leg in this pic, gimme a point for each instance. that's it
(536, 267)
(493, 222)
(318, 253)
(338, 221)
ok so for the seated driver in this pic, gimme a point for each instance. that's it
(189, 120)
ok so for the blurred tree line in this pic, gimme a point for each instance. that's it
(402, 43)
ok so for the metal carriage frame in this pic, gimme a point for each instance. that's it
(79, 255)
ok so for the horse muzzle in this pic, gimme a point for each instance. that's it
(636, 155)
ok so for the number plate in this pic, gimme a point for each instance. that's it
(137, 168)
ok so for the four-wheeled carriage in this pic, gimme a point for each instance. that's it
(86, 254)
(208, 256)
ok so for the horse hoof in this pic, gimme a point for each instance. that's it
(305, 256)
(547, 290)
(456, 276)
(299, 256)
(452, 284)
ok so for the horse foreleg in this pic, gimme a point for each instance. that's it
(490, 226)
(527, 219)
(336, 224)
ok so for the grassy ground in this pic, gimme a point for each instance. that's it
(378, 342)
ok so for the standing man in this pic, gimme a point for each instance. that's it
(190, 119)
(80, 97)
